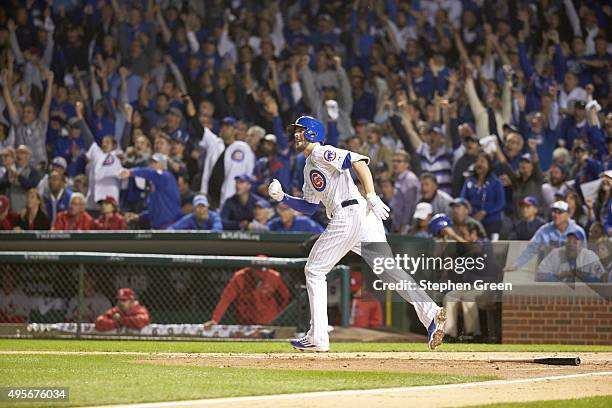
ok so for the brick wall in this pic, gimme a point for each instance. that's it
(556, 319)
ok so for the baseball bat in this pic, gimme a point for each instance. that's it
(570, 361)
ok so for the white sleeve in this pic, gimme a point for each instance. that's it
(193, 42)
(225, 45)
(213, 147)
(278, 38)
(296, 91)
(331, 157)
(93, 152)
(250, 159)
(573, 18)
(399, 39)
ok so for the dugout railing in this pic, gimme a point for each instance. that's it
(62, 293)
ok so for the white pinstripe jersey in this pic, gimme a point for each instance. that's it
(328, 179)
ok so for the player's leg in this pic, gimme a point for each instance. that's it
(429, 313)
(340, 236)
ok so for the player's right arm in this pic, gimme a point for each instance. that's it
(275, 190)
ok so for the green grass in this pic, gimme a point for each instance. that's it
(115, 379)
(268, 347)
(604, 401)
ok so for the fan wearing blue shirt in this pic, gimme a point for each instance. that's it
(288, 221)
(549, 236)
(202, 218)
(164, 200)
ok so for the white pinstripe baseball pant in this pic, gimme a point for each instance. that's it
(349, 227)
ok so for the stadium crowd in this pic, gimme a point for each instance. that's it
(170, 114)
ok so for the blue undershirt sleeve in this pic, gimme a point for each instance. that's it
(301, 205)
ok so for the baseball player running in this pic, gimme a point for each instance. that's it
(354, 220)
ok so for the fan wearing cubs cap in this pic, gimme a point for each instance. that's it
(202, 217)
(440, 227)
(553, 233)
(237, 211)
(573, 262)
(128, 313)
(529, 222)
(354, 221)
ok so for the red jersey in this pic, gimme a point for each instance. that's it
(366, 312)
(66, 222)
(114, 222)
(8, 222)
(258, 295)
(137, 318)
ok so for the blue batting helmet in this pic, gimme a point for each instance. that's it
(315, 130)
(438, 223)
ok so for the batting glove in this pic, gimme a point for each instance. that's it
(380, 209)
(275, 190)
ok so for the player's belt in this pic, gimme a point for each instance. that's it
(349, 202)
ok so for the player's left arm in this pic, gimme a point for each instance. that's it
(365, 176)
(380, 209)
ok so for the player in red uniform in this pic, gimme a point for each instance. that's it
(128, 313)
(366, 311)
(259, 295)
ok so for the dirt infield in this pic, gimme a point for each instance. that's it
(426, 362)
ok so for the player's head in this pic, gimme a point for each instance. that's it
(126, 299)
(200, 207)
(559, 213)
(228, 129)
(573, 243)
(267, 145)
(108, 143)
(307, 129)
(77, 204)
(243, 184)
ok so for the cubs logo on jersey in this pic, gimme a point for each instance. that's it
(318, 180)
(238, 156)
(329, 155)
(109, 160)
